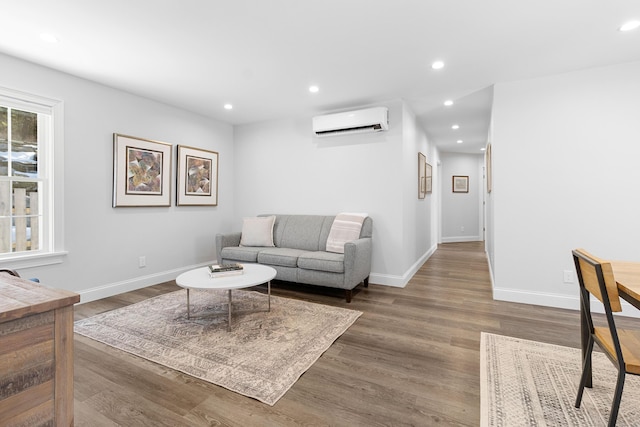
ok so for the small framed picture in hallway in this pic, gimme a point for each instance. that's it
(422, 177)
(460, 184)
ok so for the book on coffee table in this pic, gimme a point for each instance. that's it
(222, 270)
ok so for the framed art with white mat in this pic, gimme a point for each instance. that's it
(141, 172)
(197, 183)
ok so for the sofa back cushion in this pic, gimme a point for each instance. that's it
(307, 232)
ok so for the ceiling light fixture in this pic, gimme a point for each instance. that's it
(228, 107)
(314, 89)
(454, 127)
(483, 149)
(631, 25)
(437, 65)
(448, 103)
(48, 37)
(459, 141)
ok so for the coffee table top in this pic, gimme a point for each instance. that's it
(253, 274)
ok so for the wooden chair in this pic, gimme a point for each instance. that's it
(622, 347)
(15, 273)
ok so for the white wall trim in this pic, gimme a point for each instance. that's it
(112, 289)
(401, 281)
(458, 239)
(569, 302)
(117, 288)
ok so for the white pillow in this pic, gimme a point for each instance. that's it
(257, 231)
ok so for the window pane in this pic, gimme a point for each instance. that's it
(25, 219)
(24, 144)
(4, 138)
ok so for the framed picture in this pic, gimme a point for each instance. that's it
(422, 176)
(197, 183)
(141, 172)
(488, 160)
(460, 184)
(429, 179)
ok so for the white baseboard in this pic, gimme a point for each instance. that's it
(112, 289)
(401, 281)
(569, 302)
(458, 239)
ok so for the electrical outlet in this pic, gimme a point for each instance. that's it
(462, 228)
(568, 276)
(142, 262)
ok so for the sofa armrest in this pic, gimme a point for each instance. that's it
(224, 240)
(357, 261)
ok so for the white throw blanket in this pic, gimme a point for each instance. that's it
(345, 227)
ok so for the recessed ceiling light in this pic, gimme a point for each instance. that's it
(631, 25)
(448, 103)
(313, 89)
(482, 149)
(454, 127)
(459, 141)
(228, 107)
(48, 37)
(437, 65)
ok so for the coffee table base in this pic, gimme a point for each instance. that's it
(230, 306)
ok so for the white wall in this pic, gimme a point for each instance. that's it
(282, 168)
(566, 175)
(104, 243)
(462, 212)
(274, 166)
(420, 233)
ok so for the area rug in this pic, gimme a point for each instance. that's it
(535, 384)
(263, 355)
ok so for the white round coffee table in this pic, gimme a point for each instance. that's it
(253, 274)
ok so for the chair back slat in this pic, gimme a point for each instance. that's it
(589, 269)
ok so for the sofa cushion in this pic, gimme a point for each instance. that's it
(257, 231)
(322, 261)
(241, 253)
(285, 257)
(306, 232)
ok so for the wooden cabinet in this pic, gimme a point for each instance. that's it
(36, 353)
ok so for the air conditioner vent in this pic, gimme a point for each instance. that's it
(349, 122)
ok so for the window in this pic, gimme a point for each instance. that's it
(28, 149)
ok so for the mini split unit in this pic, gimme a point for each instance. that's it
(360, 121)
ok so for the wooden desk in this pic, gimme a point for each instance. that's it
(627, 276)
(36, 353)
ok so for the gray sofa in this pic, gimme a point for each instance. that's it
(299, 253)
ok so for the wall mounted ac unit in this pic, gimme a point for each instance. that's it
(368, 120)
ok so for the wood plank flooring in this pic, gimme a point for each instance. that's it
(412, 358)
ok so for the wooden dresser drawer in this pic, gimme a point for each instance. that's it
(36, 354)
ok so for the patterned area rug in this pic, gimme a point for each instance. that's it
(263, 355)
(535, 384)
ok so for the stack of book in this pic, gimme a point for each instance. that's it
(222, 270)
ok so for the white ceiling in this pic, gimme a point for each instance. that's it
(261, 56)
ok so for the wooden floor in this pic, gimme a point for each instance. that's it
(412, 358)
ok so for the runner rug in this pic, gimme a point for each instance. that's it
(535, 384)
(263, 355)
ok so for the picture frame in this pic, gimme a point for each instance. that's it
(197, 177)
(141, 172)
(422, 180)
(429, 179)
(460, 184)
(489, 167)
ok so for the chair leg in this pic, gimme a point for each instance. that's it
(613, 417)
(366, 282)
(586, 370)
(348, 294)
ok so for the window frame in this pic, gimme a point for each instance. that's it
(52, 168)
